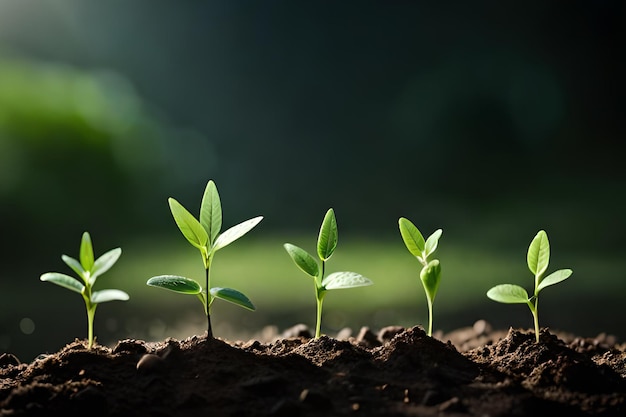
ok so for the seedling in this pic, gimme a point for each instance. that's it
(537, 258)
(326, 245)
(430, 274)
(88, 270)
(205, 236)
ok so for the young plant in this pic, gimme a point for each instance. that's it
(88, 270)
(204, 235)
(537, 258)
(430, 274)
(326, 245)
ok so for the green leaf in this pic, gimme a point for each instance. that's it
(413, 239)
(233, 296)
(554, 278)
(235, 232)
(188, 225)
(328, 236)
(175, 283)
(103, 296)
(431, 243)
(539, 253)
(338, 280)
(86, 252)
(75, 265)
(305, 261)
(104, 263)
(508, 293)
(211, 212)
(431, 276)
(64, 281)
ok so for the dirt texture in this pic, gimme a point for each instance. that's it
(473, 371)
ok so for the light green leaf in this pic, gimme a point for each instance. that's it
(175, 283)
(508, 293)
(75, 265)
(64, 281)
(338, 280)
(103, 296)
(211, 212)
(431, 276)
(413, 239)
(539, 253)
(305, 261)
(235, 232)
(104, 263)
(233, 296)
(86, 252)
(554, 278)
(328, 236)
(188, 225)
(431, 242)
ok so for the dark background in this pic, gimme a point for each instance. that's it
(489, 118)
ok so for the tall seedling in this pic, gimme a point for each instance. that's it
(88, 270)
(430, 274)
(326, 245)
(205, 236)
(538, 258)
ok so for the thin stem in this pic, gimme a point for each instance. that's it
(318, 326)
(91, 313)
(536, 318)
(208, 302)
(430, 318)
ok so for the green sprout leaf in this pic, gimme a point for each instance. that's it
(175, 283)
(211, 212)
(554, 278)
(431, 276)
(64, 281)
(76, 266)
(339, 280)
(304, 260)
(233, 296)
(188, 225)
(103, 296)
(431, 243)
(328, 237)
(104, 263)
(508, 293)
(235, 232)
(86, 252)
(539, 253)
(412, 237)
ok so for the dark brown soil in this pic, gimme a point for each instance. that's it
(397, 372)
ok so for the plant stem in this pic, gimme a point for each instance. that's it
(536, 318)
(91, 312)
(430, 318)
(208, 303)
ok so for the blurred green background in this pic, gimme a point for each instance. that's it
(487, 120)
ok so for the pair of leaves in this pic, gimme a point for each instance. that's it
(326, 245)
(537, 258)
(189, 286)
(430, 274)
(204, 234)
(88, 270)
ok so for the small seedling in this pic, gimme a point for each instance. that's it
(88, 271)
(205, 236)
(538, 258)
(430, 274)
(326, 245)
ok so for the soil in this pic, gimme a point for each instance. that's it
(474, 371)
